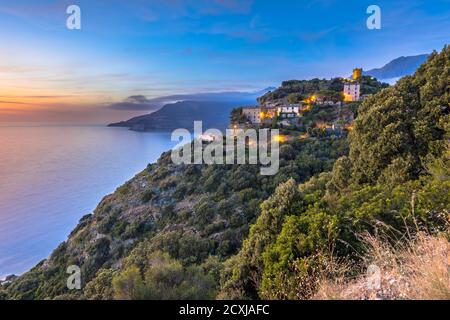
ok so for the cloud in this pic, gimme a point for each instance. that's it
(208, 7)
(39, 96)
(11, 102)
(316, 35)
(18, 69)
(235, 6)
(237, 31)
(33, 10)
(324, 3)
(255, 21)
(134, 103)
(155, 10)
(248, 35)
(137, 99)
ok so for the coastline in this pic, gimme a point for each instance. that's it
(70, 188)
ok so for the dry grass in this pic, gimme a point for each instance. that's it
(420, 270)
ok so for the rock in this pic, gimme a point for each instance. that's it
(8, 279)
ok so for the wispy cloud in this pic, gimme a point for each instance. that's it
(11, 102)
(316, 35)
(134, 103)
(40, 12)
(155, 10)
(18, 69)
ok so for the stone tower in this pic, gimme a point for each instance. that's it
(357, 73)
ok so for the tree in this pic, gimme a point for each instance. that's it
(128, 284)
(341, 175)
(400, 125)
(164, 279)
(100, 288)
(245, 269)
(294, 98)
(293, 255)
(3, 295)
(237, 116)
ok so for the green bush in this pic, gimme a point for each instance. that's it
(163, 279)
(147, 195)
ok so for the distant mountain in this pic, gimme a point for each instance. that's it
(399, 67)
(180, 111)
(214, 114)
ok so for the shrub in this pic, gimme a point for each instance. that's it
(128, 284)
(100, 288)
(147, 195)
(164, 279)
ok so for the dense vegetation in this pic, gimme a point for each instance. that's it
(395, 180)
(224, 231)
(194, 216)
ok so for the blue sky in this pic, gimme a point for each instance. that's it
(161, 47)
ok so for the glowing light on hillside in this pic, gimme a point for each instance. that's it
(349, 127)
(304, 136)
(323, 125)
(310, 99)
(268, 114)
(306, 108)
(347, 97)
(280, 138)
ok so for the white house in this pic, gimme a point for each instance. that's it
(253, 114)
(352, 91)
(289, 111)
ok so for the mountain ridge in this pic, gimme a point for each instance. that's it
(399, 67)
(181, 114)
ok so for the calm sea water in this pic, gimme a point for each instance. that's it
(51, 176)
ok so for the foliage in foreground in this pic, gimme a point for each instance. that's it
(418, 269)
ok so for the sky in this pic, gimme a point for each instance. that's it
(130, 51)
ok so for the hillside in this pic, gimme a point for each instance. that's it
(199, 215)
(293, 91)
(225, 231)
(400, 67)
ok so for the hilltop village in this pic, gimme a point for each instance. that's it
(309, 108)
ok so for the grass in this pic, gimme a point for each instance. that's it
(419, 270)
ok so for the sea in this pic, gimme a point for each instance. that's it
(51, 176)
